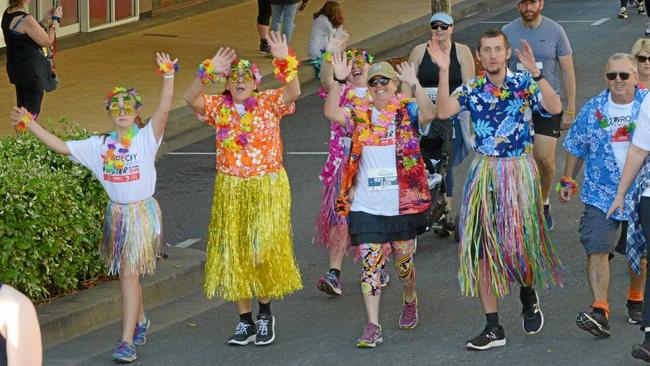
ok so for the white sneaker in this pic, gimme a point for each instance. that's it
(647, 30)
(622, 14)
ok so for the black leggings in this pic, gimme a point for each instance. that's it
(30, 96)
(263, 12)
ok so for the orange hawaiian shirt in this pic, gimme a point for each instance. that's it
(263, 152)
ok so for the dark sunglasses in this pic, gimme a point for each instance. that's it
(643, 59)
(623, 75)
(436, 26)
(379, 81)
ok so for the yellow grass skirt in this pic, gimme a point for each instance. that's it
(250, 249)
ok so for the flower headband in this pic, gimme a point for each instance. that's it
(359, 56)
(122, 90)
(246, 66)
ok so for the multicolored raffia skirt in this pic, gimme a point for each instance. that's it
(503, 227)
(331, 231)
(132, 236)
(250, 249)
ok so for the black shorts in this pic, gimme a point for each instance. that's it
(547, 126)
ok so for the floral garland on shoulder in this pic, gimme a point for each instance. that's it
(228, 135)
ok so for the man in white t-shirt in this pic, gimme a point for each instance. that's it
(600, 138)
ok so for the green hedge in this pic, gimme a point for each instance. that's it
(50, 216)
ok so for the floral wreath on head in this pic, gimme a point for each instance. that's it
(245, 65)
(359, 56)
(122, 90)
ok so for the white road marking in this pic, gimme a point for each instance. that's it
(471, 14)
(600, 21)
(559, 21)
(186, 243)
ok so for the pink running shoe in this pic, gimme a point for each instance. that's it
(371, 336)
(409, 317)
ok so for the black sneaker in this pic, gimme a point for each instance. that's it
(264, 46)
(532, 318)
(622, 14)
(265, 329)
(548, 217)
(594, 322)
(640, 352)
(490, 337)
(244, 334)
(634, 311)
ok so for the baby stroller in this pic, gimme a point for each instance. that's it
(436, 152)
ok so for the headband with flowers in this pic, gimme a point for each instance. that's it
(246, 66)
(110, 98)
(359, 56)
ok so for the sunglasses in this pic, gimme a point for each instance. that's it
(643, 59)
(436, 26)
(235, 76)
(623, 75)
(379, 81)
(115, 110)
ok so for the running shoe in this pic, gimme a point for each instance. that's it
(384, 278)
(642, 10)
(532, 318)
(641, 352)
(330, 284)
(370, 337)
(634, 311)
(490, 337)
(594, 322)
(244, 334)
(265, 329)
(409, 317)
(140, 334)
(549, 217)
(622, 14)
(264, 46)
(124, 352)
(647, 30)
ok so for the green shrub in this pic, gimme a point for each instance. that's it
(50, 216)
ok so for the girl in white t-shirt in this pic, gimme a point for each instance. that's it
(123, 161)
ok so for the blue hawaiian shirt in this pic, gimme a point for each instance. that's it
(501, 116)
(589, 141)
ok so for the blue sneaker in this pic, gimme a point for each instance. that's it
(384, 278)
(548, 217)
(140, 334)
(124, 353)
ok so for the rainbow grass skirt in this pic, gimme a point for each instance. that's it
(250, 247)
(502, 221)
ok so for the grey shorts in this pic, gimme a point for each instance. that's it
(598, 234)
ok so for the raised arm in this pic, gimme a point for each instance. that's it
(220, 63)
(406, 74)
(415, 58)
(22, 119)
(168, 69)
(280, 51)
(446, 106)
(334, 45)
(341, 71)
(550, 100)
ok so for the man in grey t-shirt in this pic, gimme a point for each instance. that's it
(553, 53)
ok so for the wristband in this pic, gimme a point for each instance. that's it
(538, 77)
(168, 76)
(570, 113)
(340, 81)
(567, 182)
(206, 73)
(166, 67)
(287, 69)
(25, 120)
(56, 18)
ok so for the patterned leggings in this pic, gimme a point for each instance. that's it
(374, 261)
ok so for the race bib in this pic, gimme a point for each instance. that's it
(432, 93)
(382, 179)
(520, 66)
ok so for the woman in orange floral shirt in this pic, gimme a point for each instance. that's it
(250, 250)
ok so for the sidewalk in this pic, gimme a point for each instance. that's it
(88, 72)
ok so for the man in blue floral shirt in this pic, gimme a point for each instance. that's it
(600, 138)
(504, 236)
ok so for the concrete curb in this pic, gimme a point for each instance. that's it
(71, 316)
(183, 128)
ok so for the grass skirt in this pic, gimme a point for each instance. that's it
(250, 249)
(502, 221)
(132, 236)
(331, 231)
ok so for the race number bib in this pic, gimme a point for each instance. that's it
(432, 93)
(382, 179)
(539, 64)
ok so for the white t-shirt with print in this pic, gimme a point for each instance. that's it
(619, 116)
(137, 180)
(641, 136)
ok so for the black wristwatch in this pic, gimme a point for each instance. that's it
(340, 81)
(539, 77)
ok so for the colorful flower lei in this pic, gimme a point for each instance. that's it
(360, 57)
(25, 120)
(287, 69)
(166, 67)
(603, 122)
(226, 135)
(110, 97)
(327, 56)
(245, 65)
(206, 73)
(111, 164)
(567, 182)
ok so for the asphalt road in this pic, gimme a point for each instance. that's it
(315, 330)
